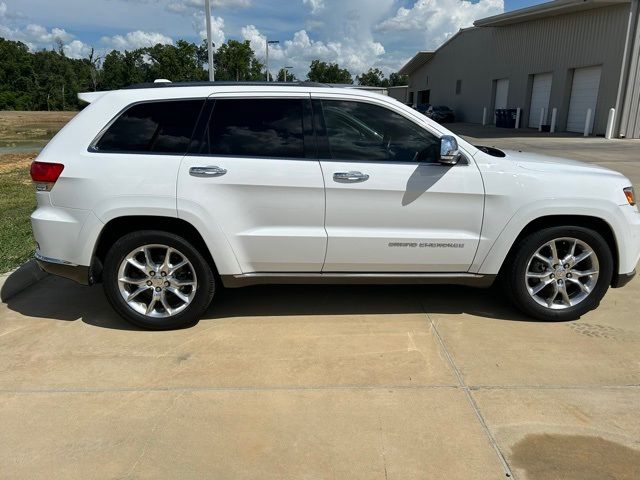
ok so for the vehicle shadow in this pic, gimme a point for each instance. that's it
(60, 299)
(421, 180)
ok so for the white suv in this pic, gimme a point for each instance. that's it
(165, 192)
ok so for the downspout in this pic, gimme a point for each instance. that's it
(622, 120)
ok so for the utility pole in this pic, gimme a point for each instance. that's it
(270, 42)
(207, 6)
(286, 70)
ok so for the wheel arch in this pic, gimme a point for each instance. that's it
(596, 224)
(119, 226)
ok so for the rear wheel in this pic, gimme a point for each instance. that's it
(157, 280)
(559, 273)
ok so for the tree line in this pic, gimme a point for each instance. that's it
(49, 80)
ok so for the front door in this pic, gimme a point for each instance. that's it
(391, 207)
(253, 173)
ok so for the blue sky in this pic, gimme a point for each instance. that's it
(355, 33)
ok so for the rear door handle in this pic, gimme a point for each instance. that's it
(209, 171)
(350, 177)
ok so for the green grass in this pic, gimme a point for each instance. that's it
(17, 201)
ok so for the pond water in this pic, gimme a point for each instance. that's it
(21, 147)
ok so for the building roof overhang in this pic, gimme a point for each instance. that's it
(416, 62)
(548, 9)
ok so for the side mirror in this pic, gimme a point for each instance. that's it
(449, 154)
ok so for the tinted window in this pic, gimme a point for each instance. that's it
(161, 127)
(361, 131)
(256, 128)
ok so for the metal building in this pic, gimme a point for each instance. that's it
(580, 57)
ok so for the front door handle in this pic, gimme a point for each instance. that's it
(210, 171)
(350, 177)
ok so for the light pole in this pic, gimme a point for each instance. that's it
(286, 70)
(270, 42)
(212, 74)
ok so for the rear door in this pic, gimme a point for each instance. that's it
(391, 207)
(253, 173)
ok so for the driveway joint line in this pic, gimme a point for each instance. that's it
(465, 388)
(554, 387)
(228, 389)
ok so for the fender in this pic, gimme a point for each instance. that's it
(490, 257)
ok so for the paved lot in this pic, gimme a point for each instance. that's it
(323, 382)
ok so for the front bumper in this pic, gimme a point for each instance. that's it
(77, 273)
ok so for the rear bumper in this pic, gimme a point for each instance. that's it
(620, 280)
(77, 273)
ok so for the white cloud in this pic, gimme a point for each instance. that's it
(301, 50)
(437, 20)
(316, 5)
(40, 35)
(137, 39)
(181, 6)
(217, 29)
(77, 49)
(35, 36)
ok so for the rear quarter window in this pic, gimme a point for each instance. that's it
(152, 127)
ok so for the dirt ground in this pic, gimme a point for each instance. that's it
(30, 127)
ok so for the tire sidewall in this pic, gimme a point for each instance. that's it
(204, 291)
(526, 249)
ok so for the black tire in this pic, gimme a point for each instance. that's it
(513, 275)
(204, 290)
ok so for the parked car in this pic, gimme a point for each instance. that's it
(423, 107)
(166, 193)
(441, 114)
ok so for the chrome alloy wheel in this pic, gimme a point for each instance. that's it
(157, 281)
(562, 273)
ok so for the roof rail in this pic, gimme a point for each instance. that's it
(224, 83)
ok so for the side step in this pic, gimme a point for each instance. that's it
(468, 279)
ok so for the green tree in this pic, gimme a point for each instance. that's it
(373, 78)
(396, 80)
(290, 77)
(179, 63)
(236, 61)
(121, 69)
(324, 72)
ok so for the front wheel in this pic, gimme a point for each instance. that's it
(559, 273)
(157, 280)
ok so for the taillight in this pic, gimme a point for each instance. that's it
(45, 174)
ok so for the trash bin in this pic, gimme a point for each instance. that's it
(499, 117)
(510, 118)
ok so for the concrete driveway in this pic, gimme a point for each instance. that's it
(346, 382)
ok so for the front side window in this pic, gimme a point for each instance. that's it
(153, 127)
(255, 128)
(362, 131)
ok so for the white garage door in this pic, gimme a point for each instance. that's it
(584, 96)
(540, 94)
(502, 92)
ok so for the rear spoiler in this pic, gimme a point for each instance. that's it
(90, 97)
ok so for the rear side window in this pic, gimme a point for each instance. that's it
(154, 127)
(255, 128)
